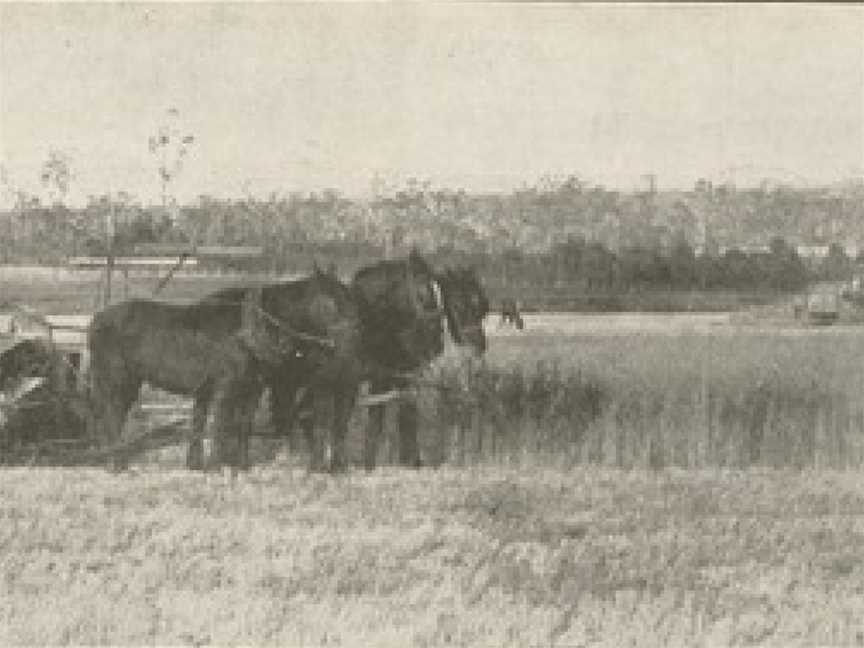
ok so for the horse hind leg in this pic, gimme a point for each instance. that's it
(115, 414)
(317, 429)
(195, 459)
(109, 407)
(113, 390)
(306, 423)
(243, 420)
(374, 428)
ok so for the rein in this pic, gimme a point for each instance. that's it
(255, 305)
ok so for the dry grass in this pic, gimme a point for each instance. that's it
(472, 557)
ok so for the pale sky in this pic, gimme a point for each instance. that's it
(300, 97)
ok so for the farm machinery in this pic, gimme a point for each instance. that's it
(44, 406)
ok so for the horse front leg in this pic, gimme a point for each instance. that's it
(375, 424)
(284, 409)
(246, 414)
(374, 429)
(409, 448)
(306, 423)
(343, 405)
(234, 409)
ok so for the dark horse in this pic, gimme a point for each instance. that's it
(218, 350)
(510, 313)
(462, 303)
(402, 305)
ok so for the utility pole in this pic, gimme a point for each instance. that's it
(378, 186)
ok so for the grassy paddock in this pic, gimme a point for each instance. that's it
(472, 557)
(755, 397)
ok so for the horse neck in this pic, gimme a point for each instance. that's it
(378, 287)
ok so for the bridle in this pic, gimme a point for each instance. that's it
(453, 320)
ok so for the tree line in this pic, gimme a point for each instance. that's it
(561, 231)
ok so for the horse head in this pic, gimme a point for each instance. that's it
(465, 305)
(400, 311)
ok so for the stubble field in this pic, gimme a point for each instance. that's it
(484, 556)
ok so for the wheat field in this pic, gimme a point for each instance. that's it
(484, 556)
(701, 396)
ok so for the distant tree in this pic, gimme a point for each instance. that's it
(643, 267)
(567, 257)
(736, 271)
(782, 268)
(682, 263)
(836, 266)
(597, 267)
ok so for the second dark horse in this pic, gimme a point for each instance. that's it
(402, 305)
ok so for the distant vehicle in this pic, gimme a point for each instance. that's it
(823, 307)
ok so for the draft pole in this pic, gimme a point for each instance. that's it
(109, 259)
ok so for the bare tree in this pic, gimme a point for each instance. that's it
(170, 146)
(56, 176)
